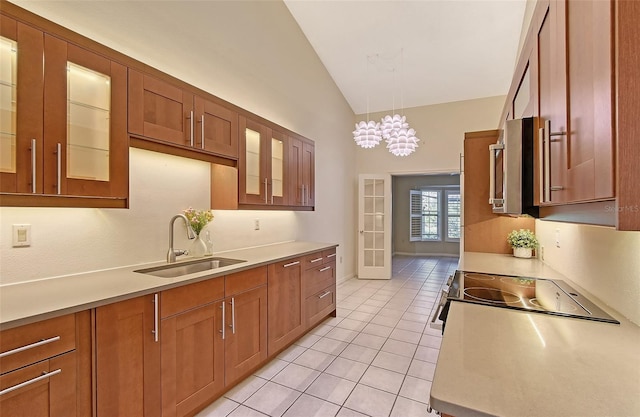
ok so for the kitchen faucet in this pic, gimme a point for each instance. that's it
(172, 253)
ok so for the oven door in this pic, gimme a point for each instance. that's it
(496, 177)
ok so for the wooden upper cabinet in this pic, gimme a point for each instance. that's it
(590, 145)
(552, 101)
(21, 107)
(217, 128)
(85, 138)
(63, 122)
(301, 168)
(252, 164)
(162, 111)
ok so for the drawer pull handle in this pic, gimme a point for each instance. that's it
(316, 260)
(291, 264)
(324, 269)
(33, 166)
(331, 256)
(324, 295)
(45, 375)
(31, 346)
(156, 324)
(233, 315)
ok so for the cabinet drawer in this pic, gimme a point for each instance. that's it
(320, 277)
(35, 342)
(46, 388)
(312, 260)
(329, 255)
(245, 280)
(190, 296)
(320, 304)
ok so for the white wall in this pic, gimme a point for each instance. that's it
(602, 260)
(254, 56)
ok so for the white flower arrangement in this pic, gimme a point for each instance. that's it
(523, 238)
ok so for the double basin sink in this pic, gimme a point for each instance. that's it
(191, 267)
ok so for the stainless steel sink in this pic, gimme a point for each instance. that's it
(177, 270)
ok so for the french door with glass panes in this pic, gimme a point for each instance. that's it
(374, 226)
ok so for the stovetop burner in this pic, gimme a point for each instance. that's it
(538, 295)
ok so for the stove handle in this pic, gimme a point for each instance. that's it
(441, 303)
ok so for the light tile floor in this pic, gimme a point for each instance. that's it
(376, 358)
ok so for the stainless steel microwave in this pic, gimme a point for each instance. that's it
(511, 172)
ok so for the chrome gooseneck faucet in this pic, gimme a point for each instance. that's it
(172, 253)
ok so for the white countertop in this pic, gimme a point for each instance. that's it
(32, 301)
(500, 362)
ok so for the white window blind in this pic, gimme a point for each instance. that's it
(415, 221)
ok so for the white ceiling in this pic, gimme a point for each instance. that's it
(403, 53)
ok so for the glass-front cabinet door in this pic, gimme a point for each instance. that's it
(21, 111)
(252, 164)
(85, 122)
(277, 183)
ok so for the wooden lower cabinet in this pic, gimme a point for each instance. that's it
(192, 359)
(128, 359)
(52, 392)
(245, 345)
(286, 313)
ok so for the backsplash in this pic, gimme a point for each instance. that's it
(602, 260)
(68, 240)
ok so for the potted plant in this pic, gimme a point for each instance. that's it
(523, 242)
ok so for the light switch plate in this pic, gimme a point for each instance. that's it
(21, 235)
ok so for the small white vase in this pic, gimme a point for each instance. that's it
(198, 247)
(522, 252)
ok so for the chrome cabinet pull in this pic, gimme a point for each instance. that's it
(156, 329)
(547, 160)
(223, 321)
(59, 158)
(202, 131)
(45, 375)
(30, 346)
(315, 260)
(324, 295)
(291, 264)
(304, 195)
(541, 164)
(331, 255)
(492, 172)
(33, 166)
(233, 315)
(266, 201)
(324, 269)
(191, 124)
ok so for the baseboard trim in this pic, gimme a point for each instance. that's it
(345, 279)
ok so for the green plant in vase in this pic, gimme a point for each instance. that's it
(523, 242)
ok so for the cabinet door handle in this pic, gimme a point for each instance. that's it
(202, 131)
(541, 164)
(223, 321)
(266, 201)
(303, 196)
(492, 172)
(324, 269)
(331, 255)
(156, 328)
(45, 375)
(233, 315)
(324, 295)
(315, 260)
(59, 167)
(33, 166)
(30, 346)
(191, 124)
(291, 264)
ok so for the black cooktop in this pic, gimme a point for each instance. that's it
(538, 295)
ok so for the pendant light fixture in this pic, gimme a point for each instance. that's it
(367, 134)
(401, 139)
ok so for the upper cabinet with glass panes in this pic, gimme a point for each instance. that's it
(63, 122)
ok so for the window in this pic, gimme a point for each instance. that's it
(435, 214)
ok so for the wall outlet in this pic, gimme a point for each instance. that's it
(21, 236)
(557, 238)
(541, 253)
(256, 224)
